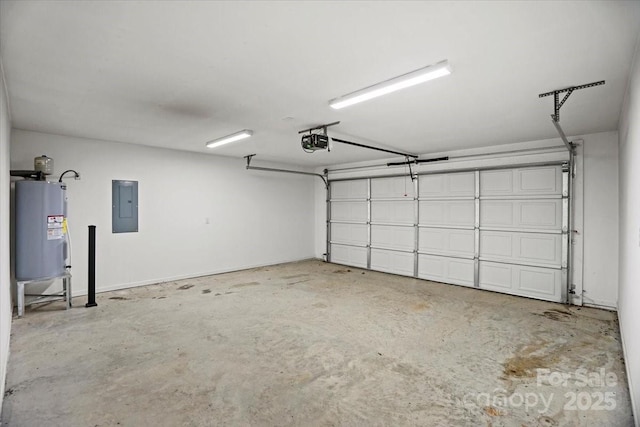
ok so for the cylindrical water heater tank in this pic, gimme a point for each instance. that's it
(41, 208)
(43, 164)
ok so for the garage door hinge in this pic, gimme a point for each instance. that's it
(572, 289)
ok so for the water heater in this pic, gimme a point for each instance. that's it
(41, 209)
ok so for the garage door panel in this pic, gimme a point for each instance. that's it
(545, 180)
(446, 241)
(349, 211)
(541, 248)
(496, 276)
(447, 270)
(536, 282)
(539, 281)
(402, 238)
(356, 189)
(396, 187)
(496, 213)
(542, 214)
(462, 184)
(393, 212)
(392, 262)
(349, 255)
(447, 185)
(525, 248)
(447, 213)
(496, 183)
(461, 271)
(353, 234)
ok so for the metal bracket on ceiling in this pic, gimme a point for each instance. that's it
(321, 127)
(555, 117)
(259, 168)
(569, 90)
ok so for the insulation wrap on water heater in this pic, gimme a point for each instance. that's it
(41, 209)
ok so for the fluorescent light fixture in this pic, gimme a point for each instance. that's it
(230, 138)
(421, 75)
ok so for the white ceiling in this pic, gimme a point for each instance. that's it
(177, 74)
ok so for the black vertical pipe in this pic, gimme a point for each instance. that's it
(92, 268)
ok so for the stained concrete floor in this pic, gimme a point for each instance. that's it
(311, 343)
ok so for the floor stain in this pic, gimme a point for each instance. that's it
(320, 305)
(185, 287)
(494, 412)
(407, 370)
(295, 276)
(206, 291)
(243, 285)
(342, 271)
(299, 281)
(529, 358)
(547, 421)
(119, 298)
(555, 314)
(420, 306)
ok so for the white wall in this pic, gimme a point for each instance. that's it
(599, 235)
(629, 267)
(256, 218)
(5, 279)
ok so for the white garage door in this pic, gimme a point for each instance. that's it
(446, 251)
(500, 230)
(349, 226)
(521, 224)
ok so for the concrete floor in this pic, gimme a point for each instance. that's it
(311, 343)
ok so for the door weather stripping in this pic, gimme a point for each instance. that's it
(557, 104)
(259, 168)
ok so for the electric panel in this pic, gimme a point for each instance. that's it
(124, 217)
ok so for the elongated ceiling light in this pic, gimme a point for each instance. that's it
(413, 78)
(230, 138)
